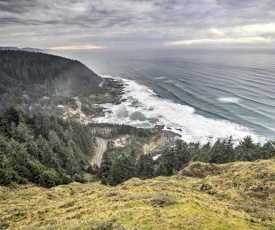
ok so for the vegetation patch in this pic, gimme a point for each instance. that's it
(40, 82)
(163, 200)
(99, 98)
(201, 170)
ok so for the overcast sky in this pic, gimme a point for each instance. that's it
(83, 24)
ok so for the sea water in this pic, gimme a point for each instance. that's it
(202, 94)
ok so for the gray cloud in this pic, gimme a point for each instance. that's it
(105, 22)
(17, 6)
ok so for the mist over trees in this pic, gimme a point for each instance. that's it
(30, 79)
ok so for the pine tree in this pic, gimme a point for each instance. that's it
(105, 167)
(246, 150)
(6, 171)
(122, 169)
(161, 170)
(145, 166)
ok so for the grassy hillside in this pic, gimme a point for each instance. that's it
(237, 195)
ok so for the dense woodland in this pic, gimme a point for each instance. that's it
(115, 171)
(38, 81)
(42, 149)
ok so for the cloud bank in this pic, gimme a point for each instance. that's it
(77, 24)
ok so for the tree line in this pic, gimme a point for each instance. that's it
(106, 130)
(115, 171)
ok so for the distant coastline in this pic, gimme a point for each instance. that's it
(28, 49)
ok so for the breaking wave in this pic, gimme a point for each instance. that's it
(141, 107)
(228, 99)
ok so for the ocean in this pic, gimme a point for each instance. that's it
(202, 94)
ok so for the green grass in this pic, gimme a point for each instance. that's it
(241, 196)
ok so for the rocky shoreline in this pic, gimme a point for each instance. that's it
(170, 139)
(115, 88)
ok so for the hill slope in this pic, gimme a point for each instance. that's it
(233, 196)
(45, 150)
(41, 80)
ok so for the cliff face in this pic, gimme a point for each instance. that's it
(203, 196)
(154, 144)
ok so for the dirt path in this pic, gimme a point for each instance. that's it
(101, 84)
(102, 147)
(77, 101)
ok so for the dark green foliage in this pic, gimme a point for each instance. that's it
(173, 159)
(116, 171)
(49, 178)
(26, 78)
(247, 150)
(161, 170)
(6, 171)
(105, 167)
(222, 152)
(145, 166)
(121, 168)
(267, 150)
(44, 150)
(106, 130)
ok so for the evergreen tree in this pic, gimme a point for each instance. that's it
(105, 167)
(204, 153)
(6, 171)
(222, 152)
(182, 154)
(168, 161)
(145, 166)
(246, 150)
(122, 169)
(49, 178)
(161, 170)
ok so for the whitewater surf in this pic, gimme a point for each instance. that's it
(141, 107)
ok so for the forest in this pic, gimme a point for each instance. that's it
(37, 81)
(114, 171)
(42, 149)
(48, 150)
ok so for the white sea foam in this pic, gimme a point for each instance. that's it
(228, 99)
(143, 108)
(159, 78)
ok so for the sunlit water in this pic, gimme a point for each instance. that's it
(201, 94)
